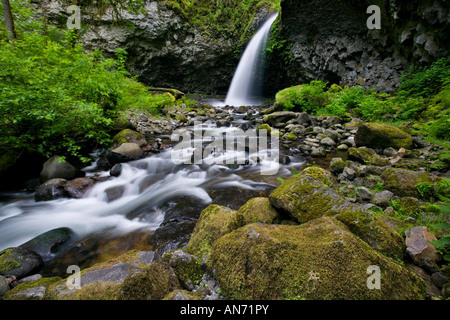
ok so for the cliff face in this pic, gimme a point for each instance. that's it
(330, 40)
(321, 39)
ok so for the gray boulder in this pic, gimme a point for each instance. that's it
(51, 190)
(129, 150)
(19, 262)
(56, 167)
(382, 199)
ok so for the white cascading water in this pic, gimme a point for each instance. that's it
(242, 87)
(144, 186)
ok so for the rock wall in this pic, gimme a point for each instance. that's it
(319, 39)
(164, 48)
(330, 40)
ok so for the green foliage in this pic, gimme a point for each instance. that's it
(223, 17)
(425, 82)
(56, 99)
(424, 98)
(309, 97)
(439, 190)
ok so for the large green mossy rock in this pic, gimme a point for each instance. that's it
(318, 260)
(19, 262)
(381, 136)
(305, 199)
(367, 156)
(214, 222)
(257, 210)
(129, 136)
(279, 117)
(403, 182)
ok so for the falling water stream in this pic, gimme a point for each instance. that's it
(246, 86)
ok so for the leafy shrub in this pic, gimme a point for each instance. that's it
(55, 99)
(309, 97)
(425, 82)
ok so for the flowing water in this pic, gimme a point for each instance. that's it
(245, 87)
(137, 199)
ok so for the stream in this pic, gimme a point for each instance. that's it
(121, 213)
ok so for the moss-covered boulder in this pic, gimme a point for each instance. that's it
(366, 155)
(319, 174)
(33, 290)
(266, 127)
(152, 282)
(305, 199)
(279, 117)
(283, 97)
(403, 182)
(186, 267)
(129, 136)
(257, 210)
(19, 262)
(381, 136)
(214, 222)
(318, 260)
(177, 295)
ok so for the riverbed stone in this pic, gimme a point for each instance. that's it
(19, 262)
(305, 199)
(382, 199)
(279, 117)
(78, 187)
(403, 182)
(320, 259)
(419, 248)
(4, 286)
(132, 151)
(52, 243)
(50, 190)
(381, 136)
(57, 167)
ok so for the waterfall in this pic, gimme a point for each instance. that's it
(243, 86)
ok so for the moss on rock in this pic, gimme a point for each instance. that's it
(186, 267)
(382, 135)
(28, 290)
(150, 282)
(214, 222)
(366, 155)
(403, 182)
(257, 210)
(305, 199)
(129, 136)
(7, 262)
(266, 127)
(320, 175)
(182, 295)
(319, 260)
